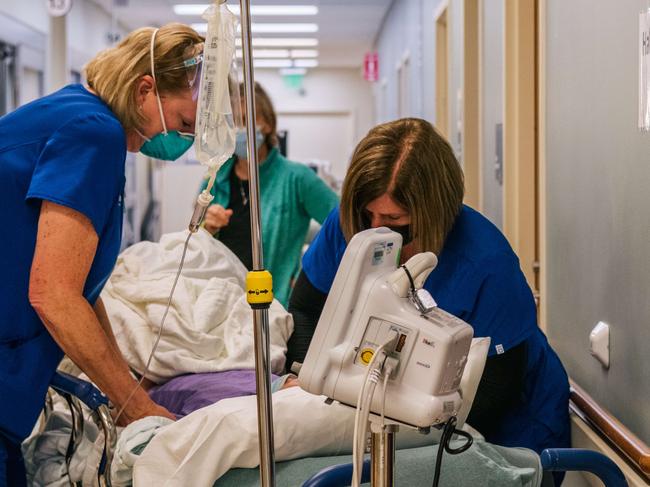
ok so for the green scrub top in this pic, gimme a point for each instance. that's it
(291, 194)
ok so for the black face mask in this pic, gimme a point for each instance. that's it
(403, 230)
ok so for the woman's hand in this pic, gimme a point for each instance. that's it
(65, 248)
(216, 218)
(141, 408)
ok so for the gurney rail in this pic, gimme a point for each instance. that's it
(75, 390)
(337, 476)
(553, 460)
(578, 460)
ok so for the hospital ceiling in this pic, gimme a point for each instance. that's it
(346, 28)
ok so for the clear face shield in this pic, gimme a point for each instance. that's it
(192, 64)
(170, 145)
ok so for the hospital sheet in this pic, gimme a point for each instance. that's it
(132, 441)
(209, 325)
(203, 446)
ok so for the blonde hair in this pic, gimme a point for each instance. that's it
(114, 73)
(264, 108)
(412, 163)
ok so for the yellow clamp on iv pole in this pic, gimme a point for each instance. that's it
(259, 289)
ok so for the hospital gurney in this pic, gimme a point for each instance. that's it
(413, 466)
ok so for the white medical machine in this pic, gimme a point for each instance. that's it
(379, 326)
(374, 302)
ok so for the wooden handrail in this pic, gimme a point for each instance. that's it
(621, 437)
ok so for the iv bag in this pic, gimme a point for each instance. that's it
(218, 107)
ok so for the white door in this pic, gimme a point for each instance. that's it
(325, 136)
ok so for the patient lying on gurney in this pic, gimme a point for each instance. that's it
(205, 357)
(202, 447)
(207, 329)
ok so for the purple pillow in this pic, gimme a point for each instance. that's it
(187, 393)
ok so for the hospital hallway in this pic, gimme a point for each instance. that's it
(545, 106)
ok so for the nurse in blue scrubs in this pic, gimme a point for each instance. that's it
(61, 192)
(403, 175)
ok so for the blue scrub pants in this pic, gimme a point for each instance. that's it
(12, 468)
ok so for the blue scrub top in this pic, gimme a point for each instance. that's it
(478, 279)
(68, 148)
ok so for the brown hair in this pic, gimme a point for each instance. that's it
(264, 108)
(115, 72)
(411, 162)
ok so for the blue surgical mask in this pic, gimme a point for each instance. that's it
(240, 145)
(168, 145)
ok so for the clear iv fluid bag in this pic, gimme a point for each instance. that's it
(216, 126)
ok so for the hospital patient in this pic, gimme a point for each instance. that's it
(403, 175)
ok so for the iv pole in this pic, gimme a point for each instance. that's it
(259, 284)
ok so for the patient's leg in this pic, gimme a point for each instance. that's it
(202, 447)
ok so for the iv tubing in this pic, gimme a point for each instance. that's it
(162, 324)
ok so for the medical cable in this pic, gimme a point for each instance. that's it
(447, 433)
(373, 380)
(383, 398)
(410, 278)
(356, 441)
(160, 331)
(390, 364)
(358, 448)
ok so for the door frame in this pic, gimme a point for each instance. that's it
(471, 102)
(541, 164)
(441, 25)
(521, 147)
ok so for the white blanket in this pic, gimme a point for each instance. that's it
(209, 326)
(203, 446)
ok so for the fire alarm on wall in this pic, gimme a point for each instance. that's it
(58, 8)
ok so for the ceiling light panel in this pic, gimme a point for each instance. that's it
(293, 71)
(283, 28)
(268, 28)
(267, 53)
(273, 10)
(273, 63)
(261, 10)
(281, 42)
(304, 53)
(305, 63)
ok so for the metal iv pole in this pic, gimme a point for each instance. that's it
(259, 287)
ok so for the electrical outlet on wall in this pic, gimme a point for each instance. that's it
(599, 343)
